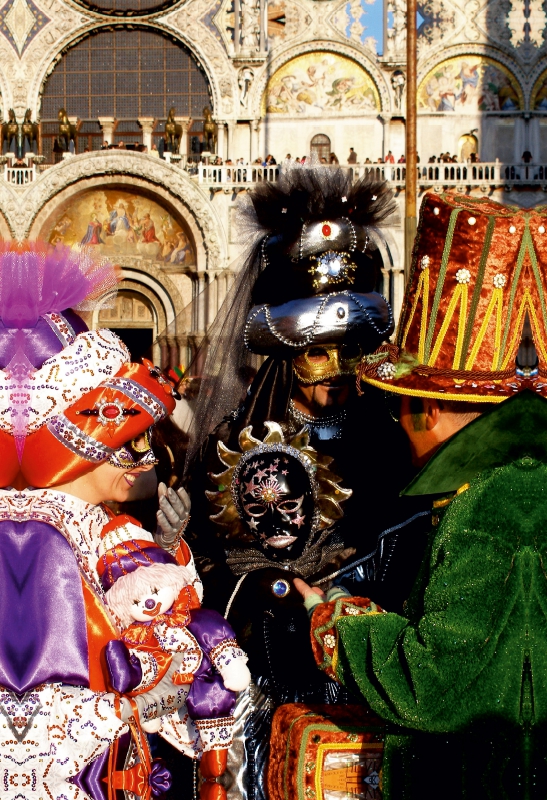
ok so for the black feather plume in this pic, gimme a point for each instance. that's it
(311, 194)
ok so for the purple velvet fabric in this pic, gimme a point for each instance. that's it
(90, 779)
(124, 670)
(129, 563)
(208, 697)
(43, 636)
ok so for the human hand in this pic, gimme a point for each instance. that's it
(308, 591)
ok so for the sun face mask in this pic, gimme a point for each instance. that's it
(275, 498)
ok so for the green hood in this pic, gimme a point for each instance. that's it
(511, 430)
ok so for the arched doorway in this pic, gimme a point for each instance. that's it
(468, 147)
(320, 147)
(132, 317)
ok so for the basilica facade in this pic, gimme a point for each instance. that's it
(133, 126)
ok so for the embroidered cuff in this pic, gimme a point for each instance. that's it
(216, 734)
(226, 652)
(324, 636)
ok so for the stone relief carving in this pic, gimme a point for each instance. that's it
(245, 80)
(527, 23)
(517, 27)
(249, 11)
(395, 38)
(439, 18)
(398, 81)
(20, 207)
(285, 20)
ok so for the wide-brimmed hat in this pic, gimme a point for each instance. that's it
(477, 275)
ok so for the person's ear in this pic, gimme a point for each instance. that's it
(432, 413)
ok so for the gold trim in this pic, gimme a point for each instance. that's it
(472, 398)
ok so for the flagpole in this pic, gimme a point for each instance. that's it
(411, 151)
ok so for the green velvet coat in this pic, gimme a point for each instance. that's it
(471, 652)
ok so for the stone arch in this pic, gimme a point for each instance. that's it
(335, 48)
(207, 53)
(141, 172)
(449, 68)
(167, 346)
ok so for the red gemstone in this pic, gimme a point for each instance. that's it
(111, 412)
(326, 230)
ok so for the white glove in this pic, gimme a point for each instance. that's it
(236, 675)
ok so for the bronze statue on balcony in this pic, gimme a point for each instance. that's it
(10, 134)
(29, 134)
(173, 132)
(67, 132)
(210, 131)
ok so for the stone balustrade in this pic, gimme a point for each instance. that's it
(485, 175)
(459, 176)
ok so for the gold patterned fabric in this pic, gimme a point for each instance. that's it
(478, 269)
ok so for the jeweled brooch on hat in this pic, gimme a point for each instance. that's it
(330, 268)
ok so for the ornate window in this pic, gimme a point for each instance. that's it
(320, 146)
(124, 74)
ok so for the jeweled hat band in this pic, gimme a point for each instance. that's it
(329, 234)
(478, 269)
(341, 317)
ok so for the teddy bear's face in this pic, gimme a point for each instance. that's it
(155, 600)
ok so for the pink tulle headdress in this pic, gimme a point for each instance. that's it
(36, 280)
(37, 284)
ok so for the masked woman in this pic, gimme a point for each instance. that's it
(74, 413)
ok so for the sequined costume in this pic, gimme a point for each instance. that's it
(69, 399)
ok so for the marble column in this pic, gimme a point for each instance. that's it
(164, 351)
(147, 125)
(254, 125)
(230, 152)
(212, 304)
(107, 124)
(200, 298)
(220, 140)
